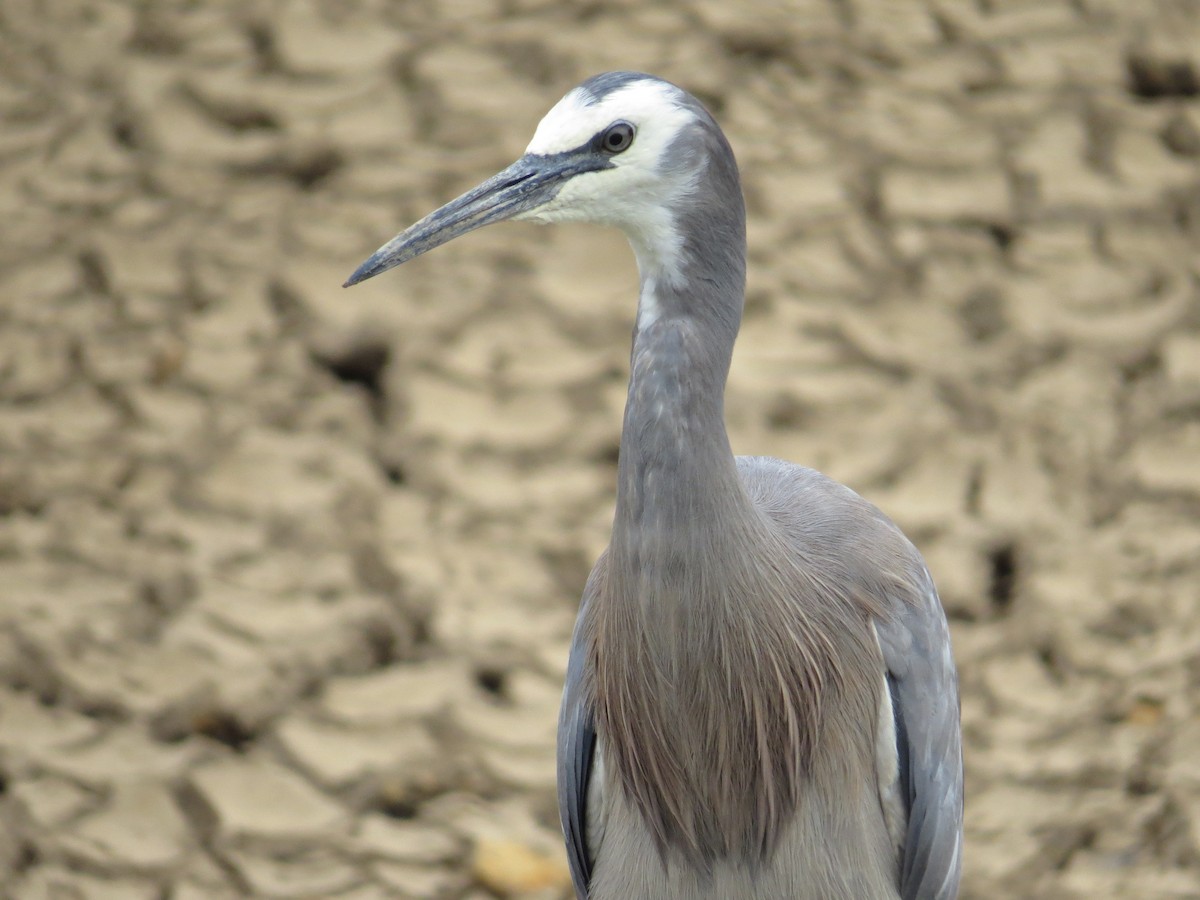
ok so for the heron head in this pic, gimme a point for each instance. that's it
(613, 151)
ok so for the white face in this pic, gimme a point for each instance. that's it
(637, 193)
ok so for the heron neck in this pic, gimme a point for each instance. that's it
(677, 479)
(680, 502)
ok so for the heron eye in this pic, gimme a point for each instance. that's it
(617, 138)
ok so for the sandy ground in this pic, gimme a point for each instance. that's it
(287, 572)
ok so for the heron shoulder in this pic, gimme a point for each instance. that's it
(843, 534)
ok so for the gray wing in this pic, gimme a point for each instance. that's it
(576, 746)
(924, 693)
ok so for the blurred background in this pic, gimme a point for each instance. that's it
(287, 572)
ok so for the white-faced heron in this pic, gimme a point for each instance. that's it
(761, 702)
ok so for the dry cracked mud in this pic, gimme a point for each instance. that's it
(287, 572)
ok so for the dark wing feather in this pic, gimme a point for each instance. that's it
(924, 692)
(576, 745)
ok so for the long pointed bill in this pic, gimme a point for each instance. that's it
(527, 184)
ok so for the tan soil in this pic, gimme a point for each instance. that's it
(287, 572)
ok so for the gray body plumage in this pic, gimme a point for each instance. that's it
(760, 701)
(846, 833)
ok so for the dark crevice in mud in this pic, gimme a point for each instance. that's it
(1155, 78)
(1002, 581)
(362, 362)
(492, 680)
